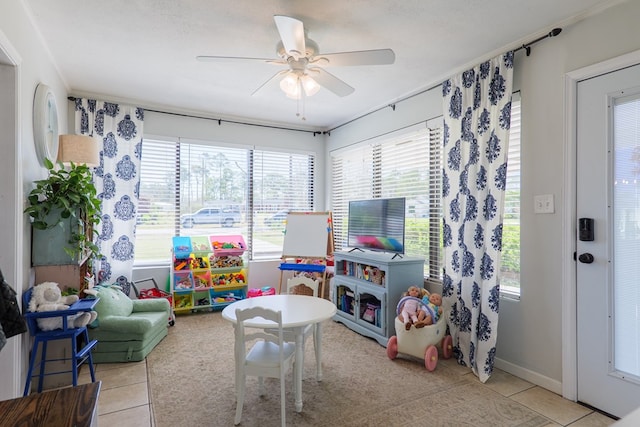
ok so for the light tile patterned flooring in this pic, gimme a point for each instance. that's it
(124, 398)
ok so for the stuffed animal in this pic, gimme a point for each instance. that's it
(48, 297)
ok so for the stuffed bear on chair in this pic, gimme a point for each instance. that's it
(47, 297)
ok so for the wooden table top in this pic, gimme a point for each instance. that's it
(69, 406)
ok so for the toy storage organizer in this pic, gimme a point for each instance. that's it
(367, 286)
(207, 272)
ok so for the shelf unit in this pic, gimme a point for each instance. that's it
(367, 286)
(207, 273)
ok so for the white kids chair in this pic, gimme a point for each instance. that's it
(271, 356)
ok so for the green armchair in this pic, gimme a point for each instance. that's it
(126, 330)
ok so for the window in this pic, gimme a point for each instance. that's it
(410, 166)
(405, 166)
(198, 188)
(510, 260)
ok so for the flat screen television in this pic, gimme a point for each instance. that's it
(377, 224)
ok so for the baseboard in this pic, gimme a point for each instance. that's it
(550, 384)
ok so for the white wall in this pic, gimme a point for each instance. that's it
(530, 329)
(26, 64)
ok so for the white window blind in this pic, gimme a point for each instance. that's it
(510, 258)
(393, 167)
(282, 182)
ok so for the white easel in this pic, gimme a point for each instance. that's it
(308, 235)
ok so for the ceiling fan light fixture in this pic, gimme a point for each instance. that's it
(311, 87)
(290, 85)
(293, 84)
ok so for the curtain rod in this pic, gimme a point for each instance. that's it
(526, 46)
(220, 121)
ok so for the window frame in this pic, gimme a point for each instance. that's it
(304, 177)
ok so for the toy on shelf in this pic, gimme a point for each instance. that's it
(202, 280)
(181, 264)
(183, 302)
(227, 245)
(200, 244)
(229, 279)
(225, 261)
(182, 281)
(182, 247)
(200, 263)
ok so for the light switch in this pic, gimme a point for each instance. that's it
(543, 204)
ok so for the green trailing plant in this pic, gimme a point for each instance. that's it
(67, 192)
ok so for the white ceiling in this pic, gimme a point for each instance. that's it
(143, 51)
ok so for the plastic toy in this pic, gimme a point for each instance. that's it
(432, 308)
(409, 306)
(420, 343)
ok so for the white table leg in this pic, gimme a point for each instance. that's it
(236, 359)
(298, 367)
(318, 346)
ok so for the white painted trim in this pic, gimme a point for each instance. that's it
(7, 48)
(533, 377)
(14, 273)
(569, 284)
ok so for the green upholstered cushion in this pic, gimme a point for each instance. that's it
(113, 302)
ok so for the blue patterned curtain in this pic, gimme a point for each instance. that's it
(477, 117)
(117, 180)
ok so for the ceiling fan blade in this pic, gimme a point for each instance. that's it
(362, 57)
(292, 35)
(205, 58)
(330, 82)
(274, 77)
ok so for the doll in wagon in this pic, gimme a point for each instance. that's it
(429, 328)
(411, 307)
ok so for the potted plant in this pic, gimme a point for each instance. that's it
(66, 200)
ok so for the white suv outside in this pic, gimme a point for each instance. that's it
(226, 217)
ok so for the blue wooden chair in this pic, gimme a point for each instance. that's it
(79, 354)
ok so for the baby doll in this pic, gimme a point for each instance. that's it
(410, 308)
(432, 306)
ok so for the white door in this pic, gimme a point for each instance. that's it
(608, 267)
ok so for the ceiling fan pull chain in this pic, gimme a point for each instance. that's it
(298, 98)
(302, 96)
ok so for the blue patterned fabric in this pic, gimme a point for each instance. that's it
(477, 118)
(117, 180)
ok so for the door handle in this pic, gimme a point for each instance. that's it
(586, 258)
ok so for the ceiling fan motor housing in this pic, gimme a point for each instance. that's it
(311, 49)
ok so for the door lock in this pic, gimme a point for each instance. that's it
(586, 258)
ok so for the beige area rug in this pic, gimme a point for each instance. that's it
(192, 384)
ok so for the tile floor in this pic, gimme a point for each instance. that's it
(124, 395)
(124, 398)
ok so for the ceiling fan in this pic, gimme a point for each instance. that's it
(306, 74)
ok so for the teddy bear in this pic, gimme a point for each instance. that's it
(47, 297)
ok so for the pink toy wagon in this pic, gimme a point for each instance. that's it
(421, 342)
